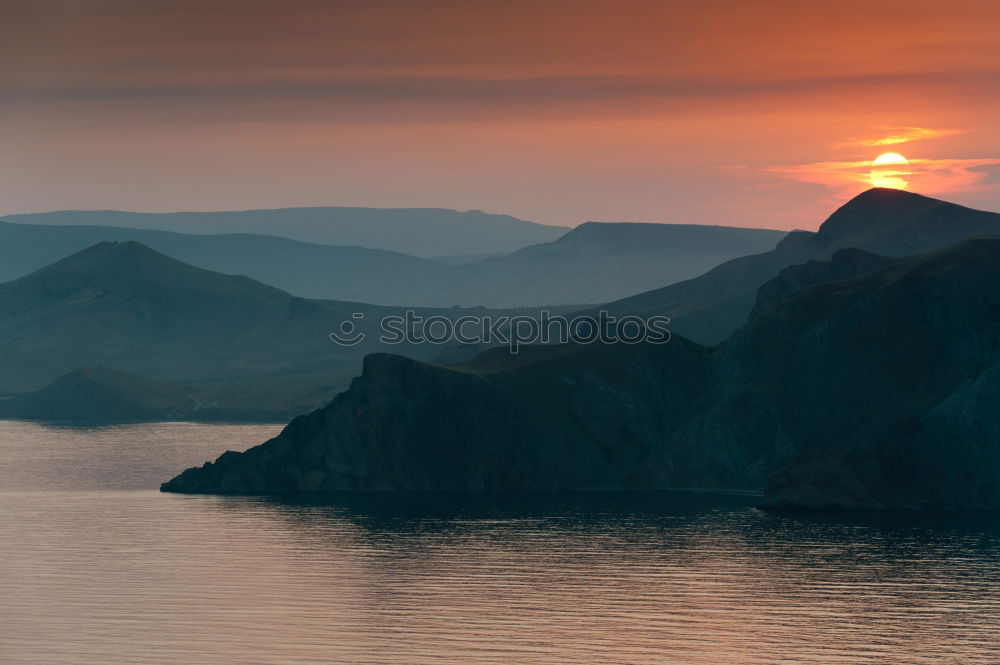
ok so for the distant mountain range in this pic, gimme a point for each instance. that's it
(423, 232)
(594, 262)
(126, 307)
(864, 381)
(891, 222)
(303, 269)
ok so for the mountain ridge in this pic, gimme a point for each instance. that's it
(128, 307)
(304, 269)
(894, 223)
(593, 262)
(422, 232)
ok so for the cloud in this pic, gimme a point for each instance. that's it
(905, 135)
(944, 176)
(928, 176)
(897, 135)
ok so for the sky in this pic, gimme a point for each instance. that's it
(741, 113)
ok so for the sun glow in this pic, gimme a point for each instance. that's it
(890, 170)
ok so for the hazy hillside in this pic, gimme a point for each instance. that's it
(710, 307)
(102, 395)
(424, 232)
(594, 262)
(125, 306)
(591, 263)
(302, 269)
(836, 367)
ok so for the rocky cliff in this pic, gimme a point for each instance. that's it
(569, 417)
(879, 365)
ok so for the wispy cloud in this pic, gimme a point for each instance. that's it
(929, 176)
(898, 135)
(907, 134)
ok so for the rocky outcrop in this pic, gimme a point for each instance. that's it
(872, 374)
(588, 417)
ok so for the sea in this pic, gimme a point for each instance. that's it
(97, 567)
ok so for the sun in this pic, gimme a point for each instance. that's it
(890, 170)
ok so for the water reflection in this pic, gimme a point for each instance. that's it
(96, 573)
(711, 576)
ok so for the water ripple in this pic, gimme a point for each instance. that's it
(98, 571)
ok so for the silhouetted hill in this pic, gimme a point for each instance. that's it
(594, 262)
(303, 269)
(127, 307)
(424, 232)
(891, 222)
(866, 350)
(582, 417)
(102, 395)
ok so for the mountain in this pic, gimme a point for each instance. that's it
(127, 307)
(931, 438)
(594, 262)
(303, 269)
(888, 366)
(568, 417)
(424, 232)
(890, 222)
(102, 395)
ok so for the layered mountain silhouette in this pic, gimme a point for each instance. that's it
(863, 373)
(424, 232)
(303, 269)
(127, 307)
(594, 262)
(864, 381)
(891, 222)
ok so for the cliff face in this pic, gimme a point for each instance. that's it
(573, 417)
(947, 457)
(858, 389)
(886, 381)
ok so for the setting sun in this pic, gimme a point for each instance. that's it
(890, 170)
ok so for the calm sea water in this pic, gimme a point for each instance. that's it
(96, 567)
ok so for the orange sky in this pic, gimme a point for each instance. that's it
(744, 113)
